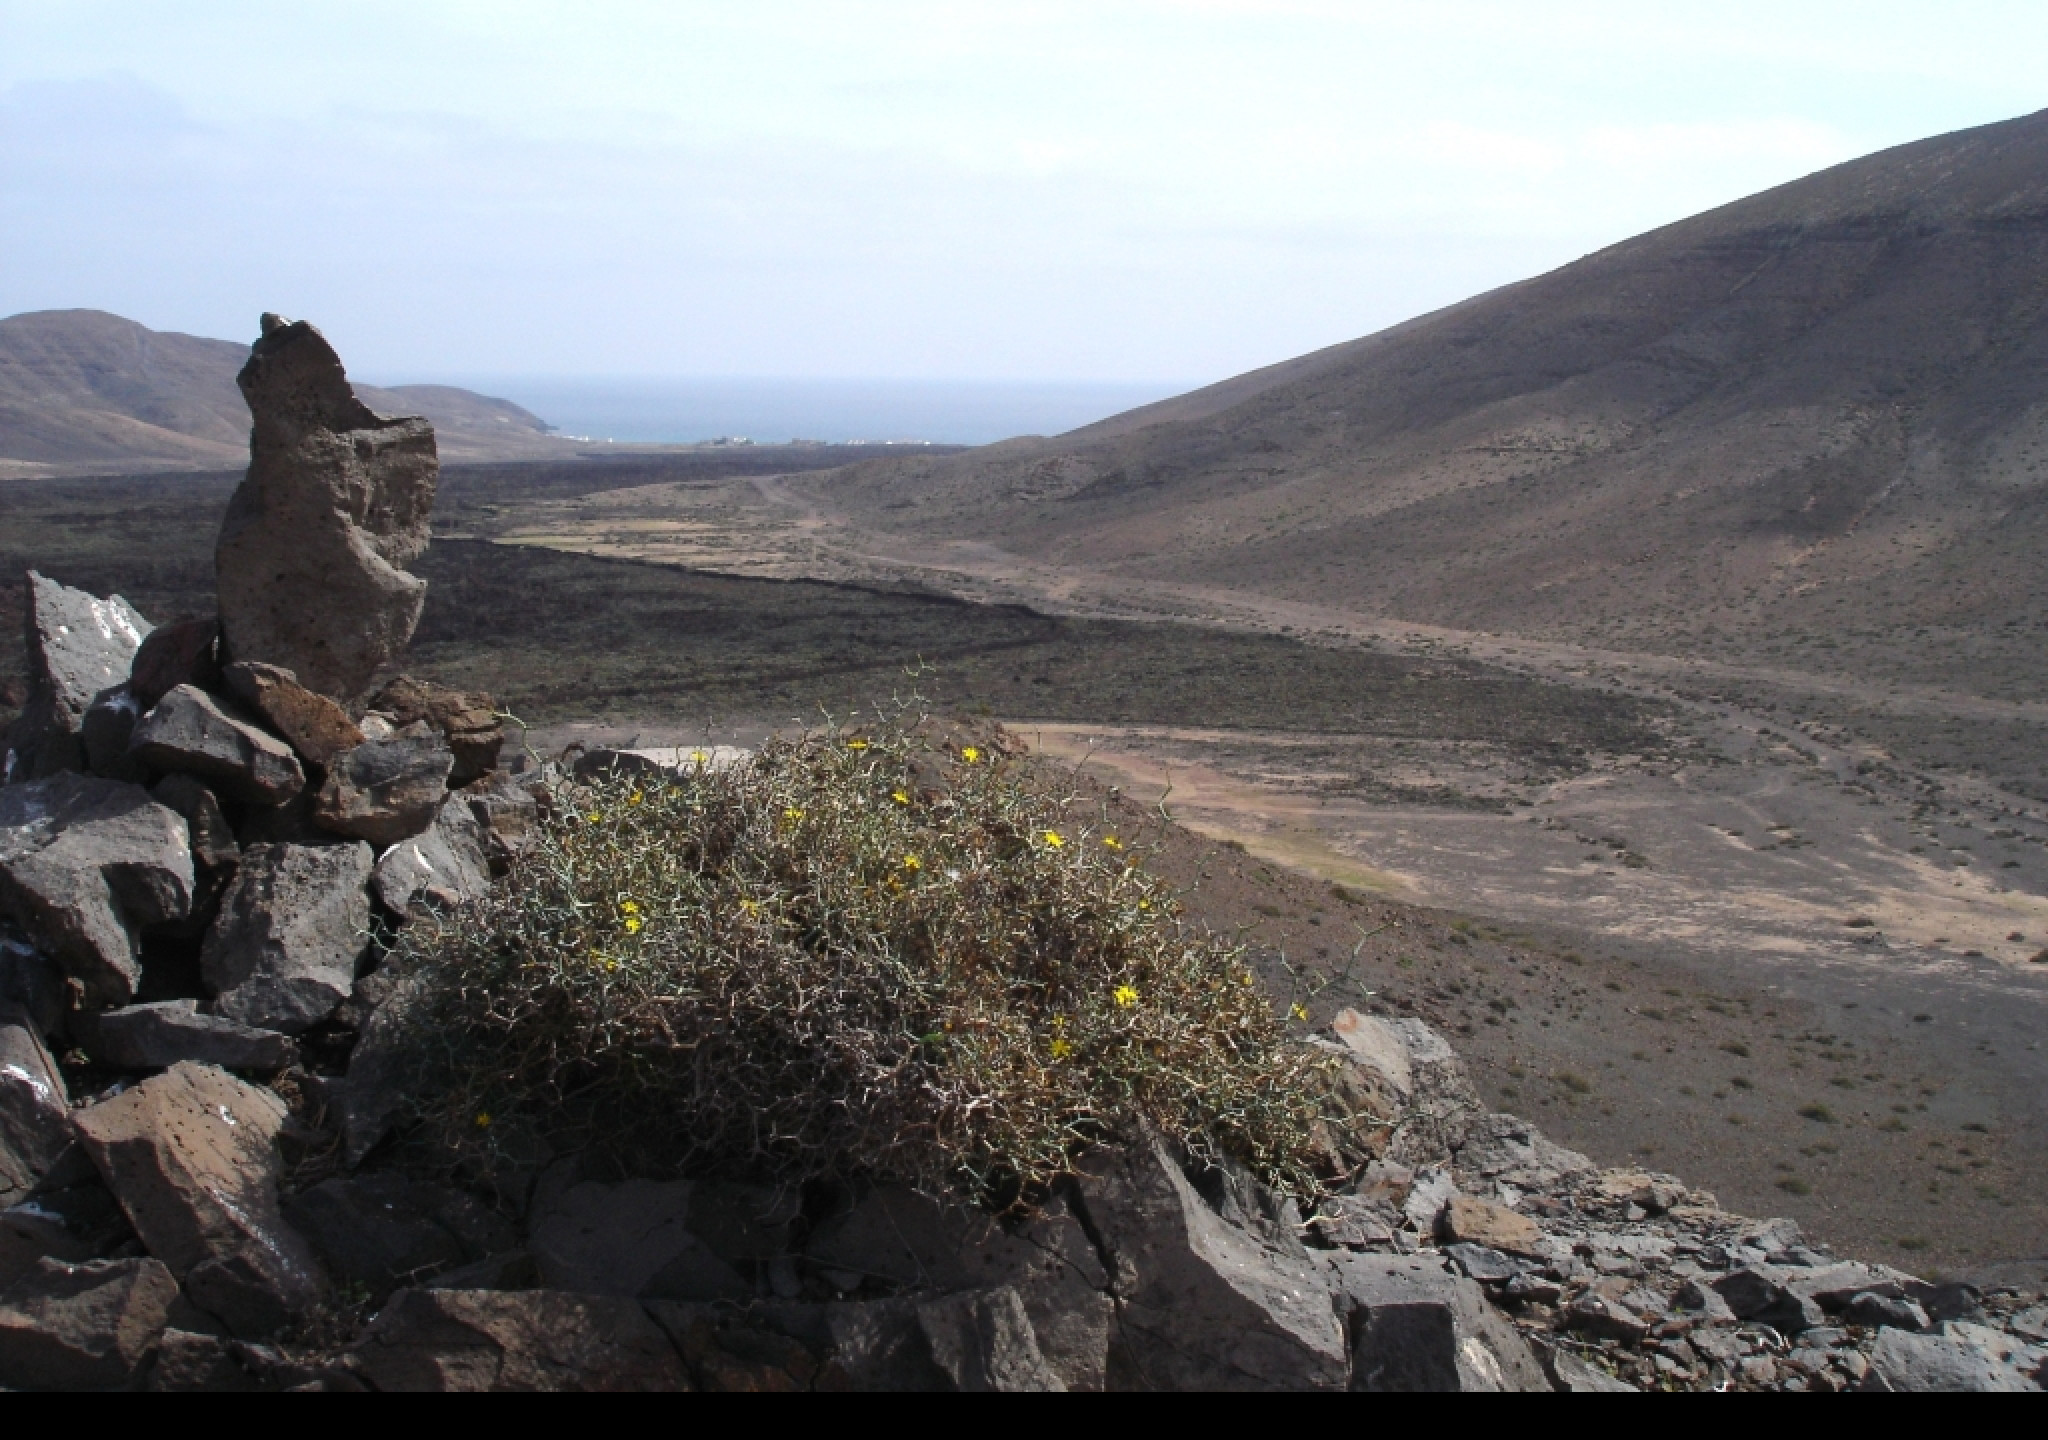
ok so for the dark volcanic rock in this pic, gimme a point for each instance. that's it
(83, 1327)
(630, 1239)
(469, 722)
(213, 839)
(191, 1155)
(898, 1236)
(443, 868)
(107, 731)
(85, 866)
(509, 813)
(158, 1036)
(385, 791)
(35, 1116)
(310, 566)
(78, 646)
(383, 1231)
(532, 1340)
(31, 980)
(190, 733)
(317, 728)
(1416, 1327)
(282, 954)
(184, 652)
(1201, 1303)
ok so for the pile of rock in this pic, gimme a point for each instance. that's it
(201, 851)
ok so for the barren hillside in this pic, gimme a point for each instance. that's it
(85, 389)
(1809, 427)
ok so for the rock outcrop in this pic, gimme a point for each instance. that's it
(311, 562)
(86, 865)
(79, 646)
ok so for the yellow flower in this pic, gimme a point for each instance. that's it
(633, 925)
(1144, 904)
(900, 798)
(856, 744)
(635, 798)
(1052, 840)
(971, 755)
(752, 907)
(792, 815)
(1110, 842)
(1061, 1049)
(699, 757)
(483, 1120)
(1245, 979)
(912, 863)
(1300, 1012)
(594, 817)
(627, 907)
(1125, 996)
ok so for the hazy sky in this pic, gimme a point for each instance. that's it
(1174, 190)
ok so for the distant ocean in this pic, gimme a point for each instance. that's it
(682, 412)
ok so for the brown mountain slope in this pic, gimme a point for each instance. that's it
(84, 389)
(1817, 413)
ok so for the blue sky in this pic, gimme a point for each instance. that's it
(1167, 191)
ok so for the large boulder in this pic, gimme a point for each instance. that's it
(79, 646)
(469, 722)
(192, 1156)
(911, 1241)
(385, 791)
(1425, 1077)
(632, 1238)
(35, 1115)
(1969, 1360)
(189, 732)
(1508, 1150)
(317, 728)
(531, 1340)
(379, 1232)
(445, 867)
(310, 565)
(184, 652)
(163, 1034)
(981, 1341)
(86, 865)
(282, 953)
(83, 1327)
(1417, 1327)
(31, 979)
(1203, 1304)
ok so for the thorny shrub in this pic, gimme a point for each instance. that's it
(862, 951)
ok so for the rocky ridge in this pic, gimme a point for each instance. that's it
(198, 1080)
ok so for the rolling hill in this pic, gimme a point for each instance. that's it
(1814, 420)
(82, 389)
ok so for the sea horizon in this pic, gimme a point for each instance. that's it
(693, 410)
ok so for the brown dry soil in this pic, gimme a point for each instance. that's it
(1663, 861)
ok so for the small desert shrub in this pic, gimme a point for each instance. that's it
(856, 953)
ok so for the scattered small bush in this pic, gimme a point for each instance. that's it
(1820, 1114)
(858, 953)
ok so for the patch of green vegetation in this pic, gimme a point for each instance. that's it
(1793, 1185)
(1574, 1082)
(821, 963)
(1819, 1114)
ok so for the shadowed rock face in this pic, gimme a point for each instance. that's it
(337, 502)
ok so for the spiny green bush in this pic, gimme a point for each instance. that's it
(858, 952)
